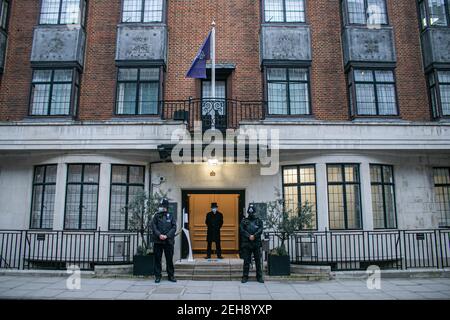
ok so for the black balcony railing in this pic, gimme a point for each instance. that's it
(356, 250)
(221, 114)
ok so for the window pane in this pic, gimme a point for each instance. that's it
(42, 75)
(353, 207)
(375, 173)
(148, 98)
(291, 199)
(220, 90)
(91, 173)
(132, 11)
(445, 99)
(363, 75)
(126, 98)
(153, 10)
(298, 74)
(390, 206)
(73, 206)
(40, 100)
(376, 10)
(70, 12)
(4, 15)
(39, 174)
(308, 197)
(423, 15)
(89, 209)
(273, 10)
(299, 98)
(384, 76)
(118, 202)
(356, 11)
(50, 174)
(441, 176)
(386, 99)
(36, 207)
(443, 205)
(377, 206)
(63, 76)
(290, 175)
(388, 176)
(126, 74)
(136, 174)
(307, 174)
(48, 207)
(444, 76)
(336, 206)
(334, 173)
(436, 9)
(119, 174)
(60, 103)
(295, 11)
(277, 98)
(276, 74)
(49, 11)
(149, 74)
(365, 99)
(74, 173)
(351, 173)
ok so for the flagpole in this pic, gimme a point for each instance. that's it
(213, 71)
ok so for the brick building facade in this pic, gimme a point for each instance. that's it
(357, 90)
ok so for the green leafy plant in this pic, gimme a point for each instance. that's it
(285, 220)
(141, 210)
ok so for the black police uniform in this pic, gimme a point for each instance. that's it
(214, 221)
(251, 226)
(164, 223)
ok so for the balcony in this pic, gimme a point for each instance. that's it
(63, 44)
(221, 114)
(364, 45)
(142, 42)
(436, 47)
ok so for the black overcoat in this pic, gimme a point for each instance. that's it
(214, 221)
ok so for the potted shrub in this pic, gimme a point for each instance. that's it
(141, 211)
(284, 220)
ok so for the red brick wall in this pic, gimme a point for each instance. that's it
(237, 42)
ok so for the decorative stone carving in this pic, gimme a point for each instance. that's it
(141, 42)
(58, 44)
(368, 45)
(286, 43)
(436, 46)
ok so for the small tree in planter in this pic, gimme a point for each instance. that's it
(140, 212)
(284, 220)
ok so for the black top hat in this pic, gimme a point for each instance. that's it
(164, 203)
(214, 205)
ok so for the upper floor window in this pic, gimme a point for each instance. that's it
(368, 12)
(441, 178)
(284, 10)
(54, 92)
(4, 10)
(62, 11)
(138, 91)
(142, 11)
(434, 13)
(372, 92)
(288, 91)
(439, 86)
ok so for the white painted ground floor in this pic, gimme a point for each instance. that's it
(350, 189)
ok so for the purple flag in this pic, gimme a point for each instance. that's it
(198, 67)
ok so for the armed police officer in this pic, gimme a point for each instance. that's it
(251, 231)
(164, 226)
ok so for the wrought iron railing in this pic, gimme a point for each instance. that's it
(356, 250)
(221, 114)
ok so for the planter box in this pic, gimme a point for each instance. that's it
(144, 265)
(279, 265)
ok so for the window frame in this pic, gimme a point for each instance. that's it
(74, 93)
(82, 183)
(43, 184)
(141, 21)
(6, 17)
(344, 183)
(287, 81)
(346, 16)
(351, 89)
(138, 83)
(427, 15)
(81, 16)
(435, 194)
(383, 184)
(434, 74)
(299, 184)
(127, 185)
(263, 14)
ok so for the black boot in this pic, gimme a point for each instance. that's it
(260, 280)
(172, 279)
(157, 279)
(244, 279)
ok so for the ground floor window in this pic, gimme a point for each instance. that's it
(299, 188)
(442, 194)
(82, 196)
(126, 183)
(344, 196)
(383, 196)
(43, 202)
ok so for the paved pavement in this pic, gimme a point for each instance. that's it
(40, 287)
